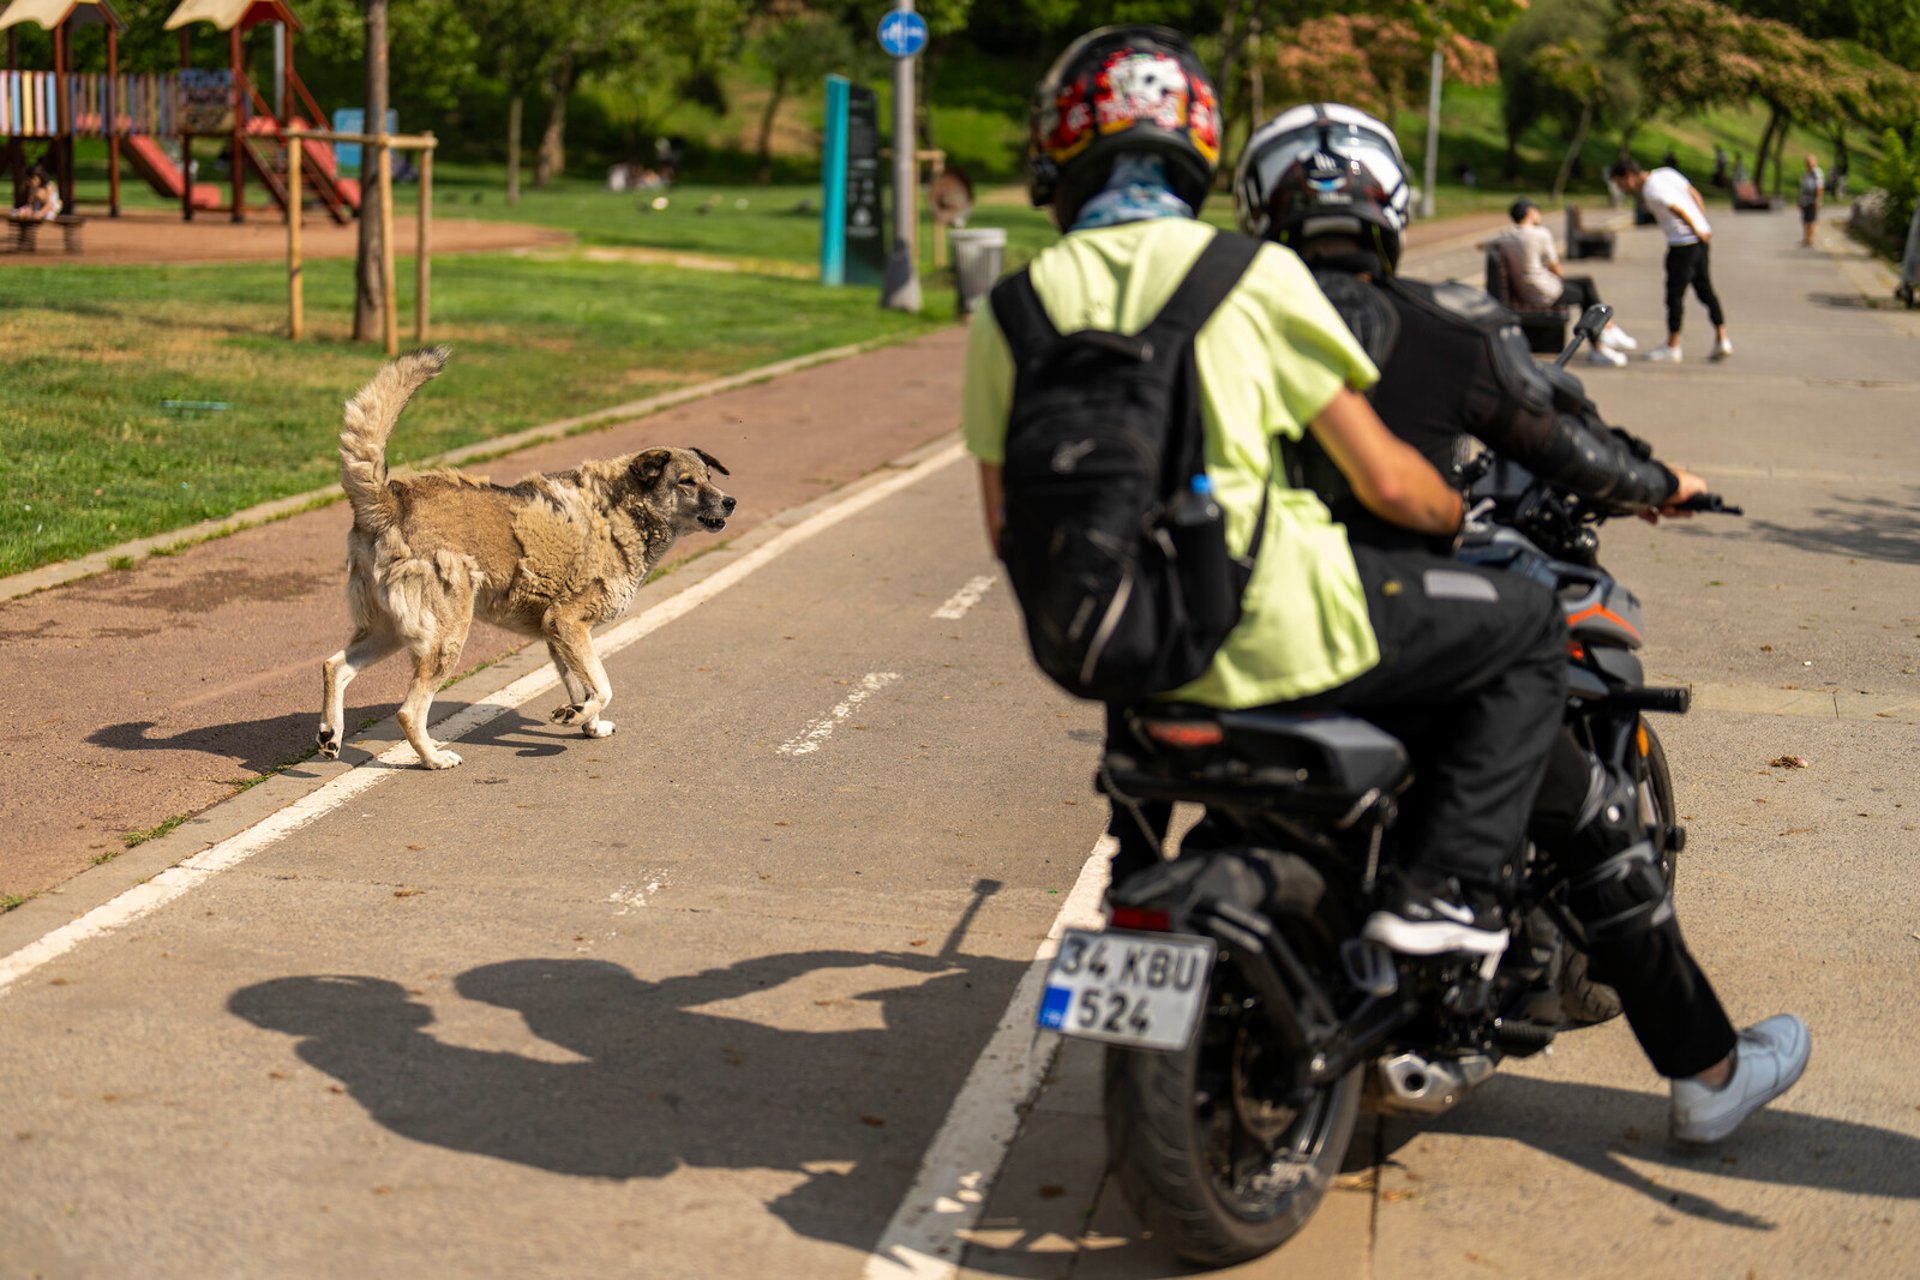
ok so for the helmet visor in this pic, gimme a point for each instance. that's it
(1375, 153)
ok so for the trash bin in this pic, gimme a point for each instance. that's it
(978, 253)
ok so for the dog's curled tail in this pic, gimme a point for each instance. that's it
(370, 419)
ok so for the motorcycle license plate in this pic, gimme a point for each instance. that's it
(1143, 990)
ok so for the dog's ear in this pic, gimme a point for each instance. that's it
(713, 462)
(650, 465)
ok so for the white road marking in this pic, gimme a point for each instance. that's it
(628, 896)
(143, 899)
(965, 598)
(815, 735)
(923, 1241)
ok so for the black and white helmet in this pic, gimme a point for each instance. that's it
(1324, 168)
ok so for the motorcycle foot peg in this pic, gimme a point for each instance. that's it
(1369, 966)
(1676, 838)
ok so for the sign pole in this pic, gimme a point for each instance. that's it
(833, 186)
(903, 276)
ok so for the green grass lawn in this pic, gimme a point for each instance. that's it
(91, 455)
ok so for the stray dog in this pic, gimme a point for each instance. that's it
(549, 557)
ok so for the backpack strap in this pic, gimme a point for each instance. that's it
(1211, 278)
(1023, 320)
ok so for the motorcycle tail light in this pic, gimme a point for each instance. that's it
(1145, 919)
(1186, 733)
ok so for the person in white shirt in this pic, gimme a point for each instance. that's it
(1813, 185)
(1682, 215)
(43, 198)
(1535, 280)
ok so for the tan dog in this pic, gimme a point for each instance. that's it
(549, 557)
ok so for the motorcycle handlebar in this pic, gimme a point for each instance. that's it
(1712, 502)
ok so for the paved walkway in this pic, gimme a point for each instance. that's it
(700, 1001)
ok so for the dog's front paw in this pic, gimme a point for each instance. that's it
(441, 760)
(568, 715)
(598, 728)
(329, 744)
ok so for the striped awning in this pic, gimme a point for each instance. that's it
(54, 13)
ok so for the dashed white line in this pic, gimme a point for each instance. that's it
(923, 1241)
(815, 735)
(965, 598)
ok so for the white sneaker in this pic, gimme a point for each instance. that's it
(1619, 339)
(1664, 355)
(1767, 1060)
(1606, 355)
(1721, 349)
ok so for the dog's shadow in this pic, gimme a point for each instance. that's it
(275, 742)
(659, 1080)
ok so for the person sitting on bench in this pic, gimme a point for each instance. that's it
(1535, 279)
(43, 200)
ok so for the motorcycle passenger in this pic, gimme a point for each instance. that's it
(1327, 180)
(1123, 147)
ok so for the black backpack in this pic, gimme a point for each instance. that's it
(1114, 545)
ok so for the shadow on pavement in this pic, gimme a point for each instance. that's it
(261, 745)
(1871, 527)
(659, 1083)
(1601, 1129)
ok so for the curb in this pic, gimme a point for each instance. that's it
(62, 572)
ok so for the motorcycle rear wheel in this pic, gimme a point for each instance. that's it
(1586, 1002)
(1208, 1159)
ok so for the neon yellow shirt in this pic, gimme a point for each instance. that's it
(1270, 359)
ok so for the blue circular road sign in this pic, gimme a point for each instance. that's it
(903, 33)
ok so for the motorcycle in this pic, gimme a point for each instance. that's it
(1245, 1020)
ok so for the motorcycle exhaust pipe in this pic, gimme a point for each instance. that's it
(1417, 1086)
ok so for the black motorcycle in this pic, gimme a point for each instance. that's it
(1246, 1019)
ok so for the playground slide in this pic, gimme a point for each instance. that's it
(318, 157)
(151, 163)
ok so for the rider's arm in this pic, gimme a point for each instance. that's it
(1388, 475)
(993, 502)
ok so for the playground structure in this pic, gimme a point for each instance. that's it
(134, 112)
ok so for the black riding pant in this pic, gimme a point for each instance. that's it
(1689, 265)
(1472, 677)
(1667, 999)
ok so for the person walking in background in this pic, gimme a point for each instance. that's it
(1813, 186)
(1536, 280)
(1682, 215)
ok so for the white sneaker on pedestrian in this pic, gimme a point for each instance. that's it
(1606, 355)
(1721, 349)
(1619, 339)
(1767, 1060)
(1664, 355)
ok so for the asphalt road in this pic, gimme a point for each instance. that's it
(745, 989)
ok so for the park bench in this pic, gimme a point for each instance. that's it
(1545, 327)
(1747, 198)
(26, 231)
(1582, 243)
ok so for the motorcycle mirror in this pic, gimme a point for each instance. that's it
(1587, 328)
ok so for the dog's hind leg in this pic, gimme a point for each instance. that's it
(432, 664)
(572, 641)
(363, 650)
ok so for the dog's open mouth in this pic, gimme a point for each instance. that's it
(713, 524)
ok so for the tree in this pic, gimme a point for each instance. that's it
(514, 39)
(370, 282)
(794, 48)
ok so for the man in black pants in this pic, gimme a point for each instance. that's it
(1682, 216)
(1453, 364)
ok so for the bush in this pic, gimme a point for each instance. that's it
(1897, 172)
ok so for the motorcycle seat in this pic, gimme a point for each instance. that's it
(1309, 761)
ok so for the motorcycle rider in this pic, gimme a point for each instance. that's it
(1123, 147)
(1328, 181)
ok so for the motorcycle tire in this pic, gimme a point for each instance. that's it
(1209, 1165)
(1586, 1002)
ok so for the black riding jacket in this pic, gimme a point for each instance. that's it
(1453, 364)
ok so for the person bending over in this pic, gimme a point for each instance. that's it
(1327, 180)
(1682, 216)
